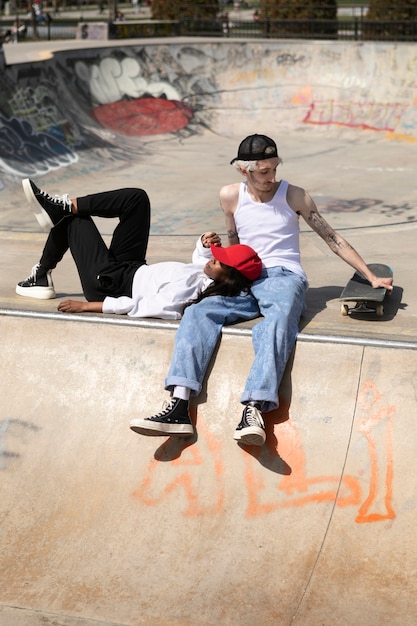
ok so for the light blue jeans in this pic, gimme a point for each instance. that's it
(279, 295)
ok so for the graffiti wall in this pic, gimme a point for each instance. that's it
(110, 101)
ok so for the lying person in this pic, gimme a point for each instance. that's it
(116, 279)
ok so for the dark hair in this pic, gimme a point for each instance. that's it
(234, 284)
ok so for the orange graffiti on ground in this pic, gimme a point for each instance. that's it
(184, 480)
(296, 489)
(345, 491)
(377, 423)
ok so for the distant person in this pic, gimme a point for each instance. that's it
(117, 279)
(263, 213)
(225, 23)
(37, 13)
(18, 30)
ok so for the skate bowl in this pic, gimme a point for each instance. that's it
(83, 113)
(99, 525)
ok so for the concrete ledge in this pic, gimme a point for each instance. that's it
(244, 329)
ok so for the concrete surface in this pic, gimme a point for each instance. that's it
(100, 526)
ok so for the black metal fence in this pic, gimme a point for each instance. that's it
(355, 28)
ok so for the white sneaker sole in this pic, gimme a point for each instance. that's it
(145, 427)
(39, 293)
(250, 436)
(41, 215)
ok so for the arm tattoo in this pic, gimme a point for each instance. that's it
(323, 229)
(231, 234)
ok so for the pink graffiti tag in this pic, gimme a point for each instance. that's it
(365, 115)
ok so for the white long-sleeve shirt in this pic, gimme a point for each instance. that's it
(162, 289)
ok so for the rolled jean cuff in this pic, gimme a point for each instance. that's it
(177, 381)
(268, 404)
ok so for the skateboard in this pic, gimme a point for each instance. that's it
(366, 299)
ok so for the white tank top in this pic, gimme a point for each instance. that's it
(271, 228)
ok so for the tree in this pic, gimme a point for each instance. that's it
(176, 10)
(384, 10)
(300, 17)
(389, 20)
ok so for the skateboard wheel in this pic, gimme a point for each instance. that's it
(380, 310)
(344, 309)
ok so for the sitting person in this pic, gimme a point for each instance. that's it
(117, 279)
(263, 212)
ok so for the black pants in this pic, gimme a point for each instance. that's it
(103, 271)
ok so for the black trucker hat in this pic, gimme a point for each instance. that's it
(256, 148)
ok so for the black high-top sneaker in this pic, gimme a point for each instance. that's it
(251, 429)
(174, 419)
(49, 210)
(38, 285)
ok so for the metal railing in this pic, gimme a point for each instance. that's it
(355, 28)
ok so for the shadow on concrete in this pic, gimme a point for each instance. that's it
(316, 301)
(318, 298)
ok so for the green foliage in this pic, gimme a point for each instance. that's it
(175, 10)
(399, 10)
(319, 17)
(298, 9)
(391, 21)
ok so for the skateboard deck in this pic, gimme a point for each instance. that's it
(364, 297)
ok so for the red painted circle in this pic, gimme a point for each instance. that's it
(144, 116)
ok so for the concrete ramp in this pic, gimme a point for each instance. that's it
(100, 525)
